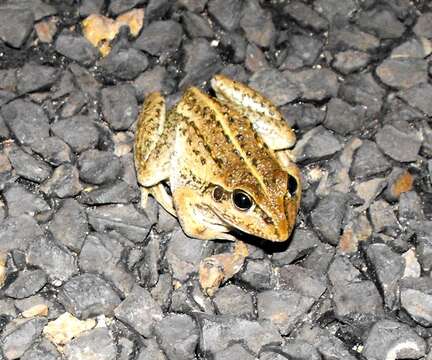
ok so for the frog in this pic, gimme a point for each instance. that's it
(221, 164)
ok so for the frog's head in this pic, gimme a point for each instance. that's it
(266, 212)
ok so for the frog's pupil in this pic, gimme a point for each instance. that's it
(242, 200)
(217, 193)
(292, 185)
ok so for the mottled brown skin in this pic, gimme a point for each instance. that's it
(236, 141)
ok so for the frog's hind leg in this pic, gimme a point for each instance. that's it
(153, 149)
(267, 121)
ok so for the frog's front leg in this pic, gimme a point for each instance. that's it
(265, 117)
(153, 149)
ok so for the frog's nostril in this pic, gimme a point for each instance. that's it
(292, 185)
(217, 193)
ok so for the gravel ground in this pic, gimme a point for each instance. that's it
(76, 251)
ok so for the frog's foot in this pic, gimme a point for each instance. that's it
(217, 269)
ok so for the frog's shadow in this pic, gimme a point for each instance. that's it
(269, 247)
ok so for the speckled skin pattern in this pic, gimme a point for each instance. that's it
(236, 141)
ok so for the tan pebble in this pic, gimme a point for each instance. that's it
(66, 327)
(46, 30)
(37, 310)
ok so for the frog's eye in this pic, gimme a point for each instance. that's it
(217, 193)
(292, 185)
(241, 200)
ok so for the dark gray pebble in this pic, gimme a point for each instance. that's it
(160, 37)
(236, 351)
(88, 295)
(343, 118)
(151, 80)
(98, 167)
(26, 284)
(351, 37)
(15, 26)
(27, 121)
(76, 47)
(124, 219)
(28, 166)
(140, 311)
(350, 61)
(283, 308)
(116, 7)
(96, 344)
(258, 274)
(178, 336)
(368, 161)
(19, 335)
(383, 218)
(197, 26)
(233, 300)
(79, 132)
(18, 232)
(88, 7)
(119, 106)
(304, 51)
(402, 73)
(55, 260)
(42, 350)
(118, 192)
(257, 24)
(69, 225)
(305, 16)
(226, 13)
(419, 97)
(34, 77)
(389, 338)
(303, 115)
(64, 182)
(275, 86)
(53, 150)
(20, 200)
(306, 282)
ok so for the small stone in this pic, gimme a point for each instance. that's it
(117, 7)
(16, 26)
(343, 118)
(118, 192)
(152, 80)
(235, 351)
(390, 339)
(201, 62)
(304, 115)
(26, 120)
(423, 27)
(160, 37)
(124, 219)
(140, 311)
(305, 16)
(56, 261)
(157, 9)
(76, 47)
(352, 38)
(63, 183)
(412, 265)
(383, 23)
(400, 145)
(284, 308)
(33, 77)
(184, 254)
(302, 243)
(316, 144)
(26, 284)
(88, 7)
(66, 327)
(42, 350)
(368, 161)
(232, 300)
(362, 89)
(197, 26)
(226, 13)
(54, 151)
(229, 330)
(255, 59)
(304, 51)
(350, 61)
(79, 132)
(22, 201)
(97, 344)
(18, 232)
(306, 282)
(273, 85)
(101, 254)
(315, 84)
(46, 30)
(69, 225)
(419, 97)
(257, 24)
(28, 166)
(178, 336)
(119, 106)
(193, 5)
(383, 217)
(331, 9)
(19, 335)
(98, 167)
(417, 48)
(88, 295)
(124, 63)
(36, 310)
(389, 268)
(257, 274)
(402, 73)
